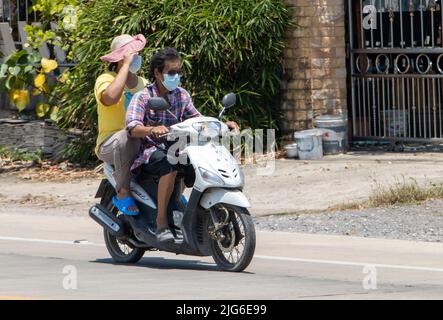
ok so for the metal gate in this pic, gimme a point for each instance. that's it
(13, 11)
(396, 69)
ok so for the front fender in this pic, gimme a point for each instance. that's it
(228, 196)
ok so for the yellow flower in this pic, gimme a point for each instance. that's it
(64, 77)
(54, 113)
(20, 98)
(39, 80)
(48, 65)
(36, 92)
(12, 94)
(42, 109)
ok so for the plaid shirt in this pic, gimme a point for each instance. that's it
(137, 114)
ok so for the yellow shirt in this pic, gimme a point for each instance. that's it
(111, 119)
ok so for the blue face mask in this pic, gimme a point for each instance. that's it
(136, 64)
(171, 82)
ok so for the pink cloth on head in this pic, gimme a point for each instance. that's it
(136, 45)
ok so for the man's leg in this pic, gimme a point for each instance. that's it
(159, 165)
(165, 189)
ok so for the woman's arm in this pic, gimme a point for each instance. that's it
(114, 91)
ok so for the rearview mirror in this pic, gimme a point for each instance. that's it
(158, 104)
(229, 100)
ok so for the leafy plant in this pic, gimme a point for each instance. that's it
(57, 19)
(24, 74)
(79, 150)
(230, 45)
(21, 155)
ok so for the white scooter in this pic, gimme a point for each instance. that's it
(214, 221)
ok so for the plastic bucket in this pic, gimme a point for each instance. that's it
(309, 144)
(291, 151)
(335, 139)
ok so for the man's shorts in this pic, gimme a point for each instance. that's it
(159, 165)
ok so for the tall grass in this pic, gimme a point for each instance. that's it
(402, 192)
(229, 45)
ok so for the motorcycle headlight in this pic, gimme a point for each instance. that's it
(207, 129)
(210, 177)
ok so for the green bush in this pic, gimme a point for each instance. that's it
(80, 150)
(21, 155)
(230, 45)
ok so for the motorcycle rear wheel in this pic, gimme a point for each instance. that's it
(120, 250)
(238, 233)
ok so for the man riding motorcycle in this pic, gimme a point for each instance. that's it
(165, 68)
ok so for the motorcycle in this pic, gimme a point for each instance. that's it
(214, 221)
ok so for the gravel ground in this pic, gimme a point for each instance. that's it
(416, 223)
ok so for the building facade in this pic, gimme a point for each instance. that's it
(315, 63)
(377, 62)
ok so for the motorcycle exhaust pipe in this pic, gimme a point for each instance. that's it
(107, 220)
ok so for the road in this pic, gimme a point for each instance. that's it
(36, 250)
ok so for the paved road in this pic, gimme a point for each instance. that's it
(36, 249)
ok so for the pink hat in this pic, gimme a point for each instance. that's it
(123, 44)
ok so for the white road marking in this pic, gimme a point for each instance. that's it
(73, 242)
(275, 258)
(350, 263)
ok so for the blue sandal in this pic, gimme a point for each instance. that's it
(125, 203)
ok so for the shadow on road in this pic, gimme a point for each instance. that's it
(165, 263)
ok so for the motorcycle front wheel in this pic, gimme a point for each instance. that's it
(232, 237)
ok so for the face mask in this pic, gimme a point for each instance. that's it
(171, 82)
(136, 64)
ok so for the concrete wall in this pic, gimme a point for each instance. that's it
(32, 136)
(315, 63)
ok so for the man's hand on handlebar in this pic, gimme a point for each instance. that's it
(159, 131)
(233, 126)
